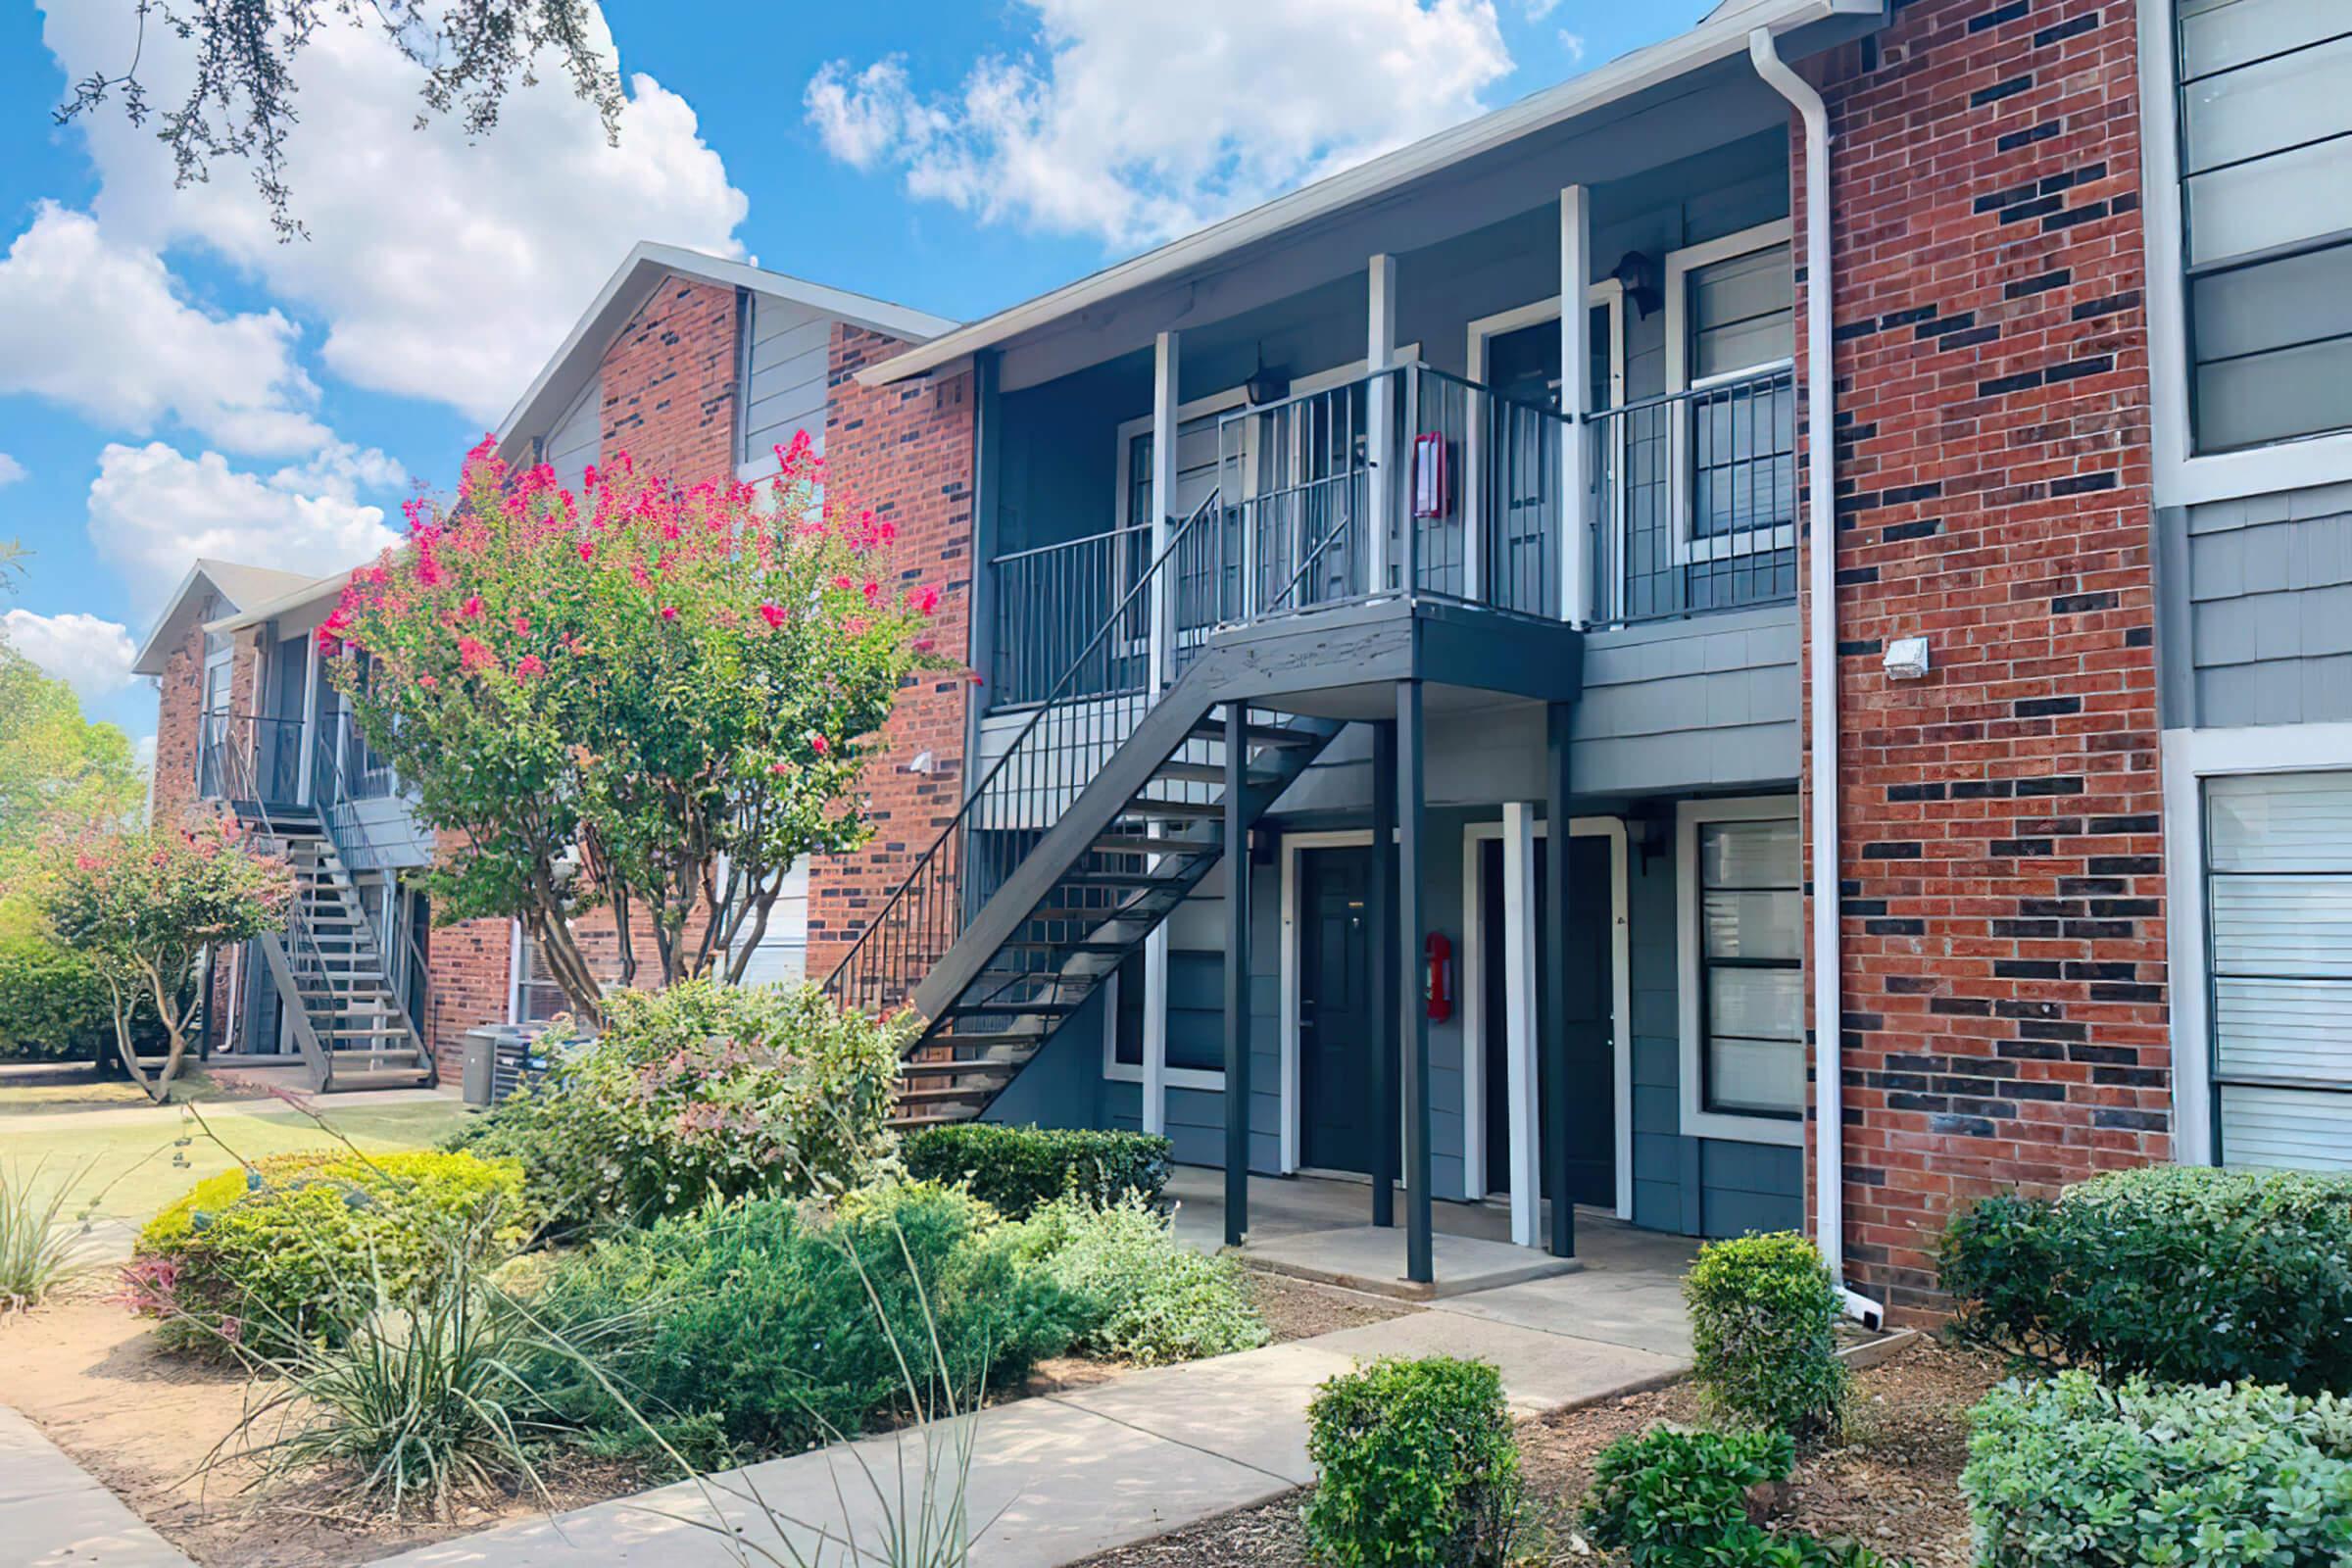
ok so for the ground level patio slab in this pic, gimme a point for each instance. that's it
(1367, 1258)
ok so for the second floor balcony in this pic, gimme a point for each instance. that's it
(1412, 480)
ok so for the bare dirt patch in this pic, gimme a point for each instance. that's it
(1892, 1484)
(1300, 1309)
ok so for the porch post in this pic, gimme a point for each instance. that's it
(1161, 651)
(1412, 1014)
(1237, 976)
(1381, 1079)
(1380, 350)
(1557, 907)
(1519, 1014)
(1575, 402)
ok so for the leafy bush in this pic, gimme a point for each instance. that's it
(1416, 1464)
(1017, 1170)
(2070, 1472)
(2186, 1274)
(699, 1091)
(1668, 1498)
(304, 1245)
(1146, 1297)
(755, 1324)
(53, 1004)
(1763, 1334)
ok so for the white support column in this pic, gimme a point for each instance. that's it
(310, 724)
(1576, 401)
(1166, 361)
(1519, 1018)
(1379, 351)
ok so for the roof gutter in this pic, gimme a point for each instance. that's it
(1704, 45)
(1821, 541)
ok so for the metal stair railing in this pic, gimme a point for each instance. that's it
(331, 792)
(1077, 725)
(299, 952)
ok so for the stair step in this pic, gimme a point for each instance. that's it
(978, 1066)
(1213, 729)
(990, 1039)
(1177, 772)
(932, 1096)
(1002, 1007)
(1137, 844)
(416, 1077)
(1114, 879)
(1113, 950)
(1174, 810)
(908, 1124)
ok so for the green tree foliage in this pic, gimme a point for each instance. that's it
(653, 698)
(60, 774)
(144, 906)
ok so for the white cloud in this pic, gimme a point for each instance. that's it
(1573, 44)
(1139, 121)
(1538, 10)
(142, 752)
(442, 270)
(154, 510)
(11, 470)
(100, 327)
(89, 655)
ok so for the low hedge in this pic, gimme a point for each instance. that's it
(2071, 1473)
(300, 1245)
(1764, 1334)
(2185, 1274)
(1670, 1498)
(1415, 1463)
(1017, 1170)
(1143, 1297)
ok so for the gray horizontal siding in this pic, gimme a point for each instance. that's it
(2258, 599)
(577, 440)
(1703, 703)
(786, 383)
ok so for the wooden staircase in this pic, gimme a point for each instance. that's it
(332, 977)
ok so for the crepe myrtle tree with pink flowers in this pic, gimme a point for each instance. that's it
(146, 907)
(649, 696)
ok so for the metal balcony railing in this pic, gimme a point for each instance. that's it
(1049, 603)
(1694, 499)
(248, 752)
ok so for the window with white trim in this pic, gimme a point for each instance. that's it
(537, 994)
(1742, 962)
(2278, 922)
(2263, 100)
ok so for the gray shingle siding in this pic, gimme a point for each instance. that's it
(2256, 593)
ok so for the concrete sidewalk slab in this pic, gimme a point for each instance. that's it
(55, 1514)
(1367, 1258)
(1541, 1371)
(1639, 1311)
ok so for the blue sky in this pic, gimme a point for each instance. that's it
(173, 381)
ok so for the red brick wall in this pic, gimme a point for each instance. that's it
(2004, 976)
(179, 703)
(904, 451)
(668, 383)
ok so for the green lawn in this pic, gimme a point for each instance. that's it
(132, 1161)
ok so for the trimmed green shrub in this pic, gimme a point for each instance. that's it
(699, 1091)
(1016, 1170)
(752, 1326)
(2183, 1273)
(300, 1247)
(2071, 1473)
(1764, 1334)
(1669, 1498)
(1416, 1464)
(53, 1004)
(1146, 1297)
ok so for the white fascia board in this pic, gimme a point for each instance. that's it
(1721, 39)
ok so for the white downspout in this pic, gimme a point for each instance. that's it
(1821, 533)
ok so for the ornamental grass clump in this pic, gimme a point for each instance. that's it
(37, 1253)
(1764, 1335)
(651, 694)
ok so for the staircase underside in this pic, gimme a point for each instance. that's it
(1123, 853)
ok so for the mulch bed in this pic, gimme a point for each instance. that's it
(1300, 1309)
(1892, 1484)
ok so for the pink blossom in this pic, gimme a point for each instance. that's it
(926, 602)
(474, 655)
(778, 767)
(670, 611)
(429, 682)
(773, 615)
(819, 745)
(530, 664)
(872, 590)
(523, 625)
(472, 609)
(843, 583)
(586, 549)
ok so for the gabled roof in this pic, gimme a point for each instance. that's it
(559, 384)
(1722, 35)
(239, 586)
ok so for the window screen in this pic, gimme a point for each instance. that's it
(2279, 913)
(1741, 314)
(537, 997)
(1751, 983)
(2265, 114)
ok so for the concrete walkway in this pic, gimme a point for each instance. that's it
(54, 1514)
(1057, 1478)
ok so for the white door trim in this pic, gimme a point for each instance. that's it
(1474, 1022)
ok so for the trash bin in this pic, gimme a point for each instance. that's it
(481, 1064)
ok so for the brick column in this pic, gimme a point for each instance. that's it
(2003, 893)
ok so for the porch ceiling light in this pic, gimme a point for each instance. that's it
(1266, 386)
(1637, 272)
